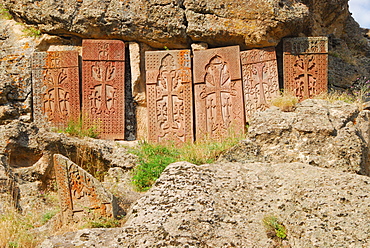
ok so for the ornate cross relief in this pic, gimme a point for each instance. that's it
(169, 94)
(306, 66)
(260, 79)
(80, 193)
(55, 88)
(103, 86)
(218, 92)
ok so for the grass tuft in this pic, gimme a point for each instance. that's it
(286, 101)
(274, 228)
(31, 31)
(78, 129)
(154, 158)
(4, 13)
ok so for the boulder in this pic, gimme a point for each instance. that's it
(224, 205)
(317, 132)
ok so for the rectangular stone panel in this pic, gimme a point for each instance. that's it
(260, 79)
(306, 66)
(169, 96)
(103, 84)
(80, 193)
(218, 93)
(55, 83)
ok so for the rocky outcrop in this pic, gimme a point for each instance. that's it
(176, 23)
(15, 73)
(317, 132)
(223, 205)
(26, 158)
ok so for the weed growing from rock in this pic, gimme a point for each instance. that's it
(4, 13)
(275, 229)
(360, 89)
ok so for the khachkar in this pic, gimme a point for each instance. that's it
(306, 66)
(81, 195)
(55, 83)
(260, 79)
(218, 93)
(169, 95)
(103, 96)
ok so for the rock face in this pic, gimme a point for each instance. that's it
(176, 23)
(317, 133)
(26, 158)
(15, 72)
(223, 205)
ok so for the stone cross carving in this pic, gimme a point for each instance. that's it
(218, 92)
(306, 66)
(55, 81)
(80, 193)
(260, 79)
(169, 95)
(103, 81)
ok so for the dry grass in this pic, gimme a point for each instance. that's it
(286, 101)
(17, 229)
(336, 96)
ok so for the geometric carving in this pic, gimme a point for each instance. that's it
(169, 95)
(260, 79)
(103, 96)
(80, 193)
(306, 66)
(56, 96)
(218, 93)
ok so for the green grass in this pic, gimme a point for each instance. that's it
(78, 129)
(154, 158)
(31, 31)
(4, 13)
(275, 227)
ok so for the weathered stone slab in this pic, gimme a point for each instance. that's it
(306, 66)
(80, 193)
(103, 94)
(218, 92)
(169, 95)
(55, 80)
(260, 79)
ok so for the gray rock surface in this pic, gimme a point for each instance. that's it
(317, 132)
(223, 205)
(176, 23)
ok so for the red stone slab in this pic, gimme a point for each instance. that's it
(80, 193)
(306, 66)
(169, 96)
(55, 81)
(218, 93)
(260, 79)
(103, 79)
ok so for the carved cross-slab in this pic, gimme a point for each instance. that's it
(80, 193)
(218, 93)
(56, 97)
(306, 66)
(169, 95)
(103, 96)
(260, 79)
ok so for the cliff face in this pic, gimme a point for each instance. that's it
(176, 23)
